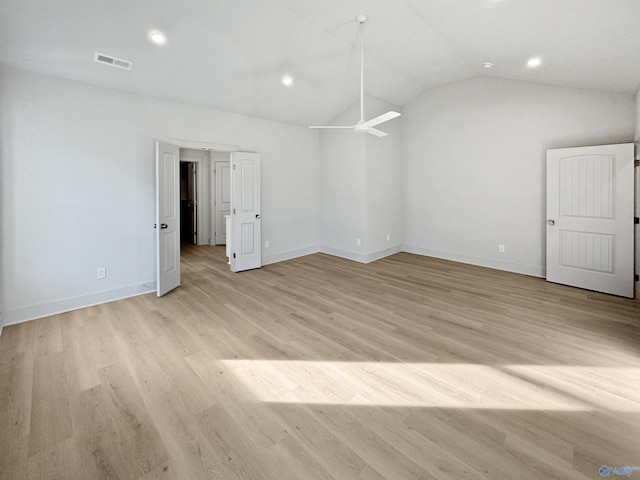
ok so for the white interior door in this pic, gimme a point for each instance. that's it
(222, 199)
(167, 217)
(246, 233)
(590, 198)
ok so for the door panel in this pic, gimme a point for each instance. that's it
(167, 217)
(590, 218)
(223, 199)
(246, 238)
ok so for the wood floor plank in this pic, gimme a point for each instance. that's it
(320, 368)
(80, 366)
(59, 462)
(96, 436)
(115, 429)
(50, 421)
(140, 444)
(14, 457)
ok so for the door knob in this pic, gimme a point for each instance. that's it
(163, 226)
(551, 222)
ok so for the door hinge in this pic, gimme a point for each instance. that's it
(234, 211)
(636, 220)
(636, 278)
(233, 166)
(234, 255)
(636, 163)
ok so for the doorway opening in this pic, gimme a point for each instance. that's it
(188, 203)
(199, 192)
(205, 196)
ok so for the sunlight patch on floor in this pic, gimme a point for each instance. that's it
(509, 387)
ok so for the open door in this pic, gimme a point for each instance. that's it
(590, 200)
(167, 217)
(246, 232)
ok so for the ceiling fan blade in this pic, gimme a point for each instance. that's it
(362, 126)
(377, 133)
(385, 117)
(331, 126)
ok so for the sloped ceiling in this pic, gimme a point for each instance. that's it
(231, 54)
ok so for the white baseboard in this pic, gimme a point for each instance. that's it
(358, 257)
(32, 312)
(532, 270)
(281, 257)
(372, 257)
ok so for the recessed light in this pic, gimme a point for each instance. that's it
(487, 65)
(534, 62)
(157, 37)
(287, 80)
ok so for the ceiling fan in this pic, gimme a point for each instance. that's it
(364, 126)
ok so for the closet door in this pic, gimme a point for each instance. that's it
(590, 224)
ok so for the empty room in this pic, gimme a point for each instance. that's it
(319, 239)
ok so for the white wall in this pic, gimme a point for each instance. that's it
(342, 188)
(474, 164)
(77, 180)
(383, 184)
(360, 195)
(77, 187)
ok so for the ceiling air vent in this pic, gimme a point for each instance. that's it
(112, 61)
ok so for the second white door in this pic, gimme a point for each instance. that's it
(246, 223)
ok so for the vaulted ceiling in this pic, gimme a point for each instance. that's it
(232, 54)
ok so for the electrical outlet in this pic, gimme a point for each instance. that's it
(357, 242)
(266, 244)
(101, 273)
(501, 248)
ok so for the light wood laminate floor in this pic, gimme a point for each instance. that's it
(322, 368)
